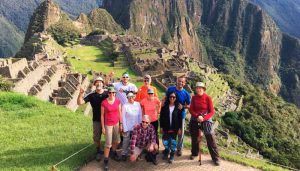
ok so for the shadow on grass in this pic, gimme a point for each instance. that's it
(45, 157)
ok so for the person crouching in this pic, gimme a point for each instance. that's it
(144, 138)
(170, 124)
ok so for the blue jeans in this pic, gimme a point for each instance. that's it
(169, 141)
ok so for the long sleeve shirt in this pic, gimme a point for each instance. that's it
(132, 115)
(202, 105)
(141, 137)
(143, 93)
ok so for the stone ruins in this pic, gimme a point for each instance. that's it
(48, 80)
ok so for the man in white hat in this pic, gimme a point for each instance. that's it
(95, 98)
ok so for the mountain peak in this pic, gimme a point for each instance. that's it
(44, 16)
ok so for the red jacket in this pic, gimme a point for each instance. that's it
(202, 105)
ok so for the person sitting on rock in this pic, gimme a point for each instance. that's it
(170, 124)
(144, 138)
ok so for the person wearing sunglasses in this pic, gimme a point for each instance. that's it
(170, 124)
(144, 138)
(202, 111)
(124, 87)
(184, 99)
(151, 106)
(110, 121)
(95, 98)
(132, 115)
(143, 90)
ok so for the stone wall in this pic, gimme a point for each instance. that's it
(52, 83)
(29, 80)
(10, 67)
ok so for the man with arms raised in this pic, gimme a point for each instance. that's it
(95, 98)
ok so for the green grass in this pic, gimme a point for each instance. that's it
(94, 58)
(36, 135)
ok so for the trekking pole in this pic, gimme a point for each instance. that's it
(199, 144)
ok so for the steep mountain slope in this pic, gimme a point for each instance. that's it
(10, 38)
(165, 20)
(286, 14)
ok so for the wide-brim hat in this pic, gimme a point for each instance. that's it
(150, 91)
(98, 79)
(130, 95)
(201, 84)
(111, 89)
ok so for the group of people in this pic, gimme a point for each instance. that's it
(130, 118)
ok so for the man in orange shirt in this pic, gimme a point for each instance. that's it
(142, 92)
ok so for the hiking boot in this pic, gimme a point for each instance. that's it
(106, 164)
(217, 162)
(192, 157)
(124, 158)
(165, 154)
(171, 159)
(179, 152)
(154, 161)
(152, 158)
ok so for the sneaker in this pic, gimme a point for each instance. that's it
(116, 157)
(106, 164)
(179, 153)
(154, 161)
(171, 160)
(192, 157)
(124, 158)
(217, 162)
(98, 157)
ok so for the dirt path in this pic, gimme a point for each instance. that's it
(180, 164)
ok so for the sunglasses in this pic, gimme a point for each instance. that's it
(146, 80)
(172, 97)
(111, 92)
(145, 122)
(131, 97)
(125, 77)
(150, 93)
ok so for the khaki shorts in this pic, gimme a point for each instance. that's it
(97, 131)
(137, 151)
(112, 135)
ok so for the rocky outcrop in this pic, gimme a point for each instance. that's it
(167, 20)
(290, 69)
(249, 31)
(45, 15)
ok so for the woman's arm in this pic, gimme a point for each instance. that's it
(121, 119)
(102, 120)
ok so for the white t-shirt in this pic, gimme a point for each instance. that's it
(171, 108)
(122, 95)
(131, 115)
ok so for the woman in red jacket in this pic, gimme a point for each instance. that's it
(202, 111)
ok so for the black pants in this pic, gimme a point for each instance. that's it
(155, 124)
(195, 130)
